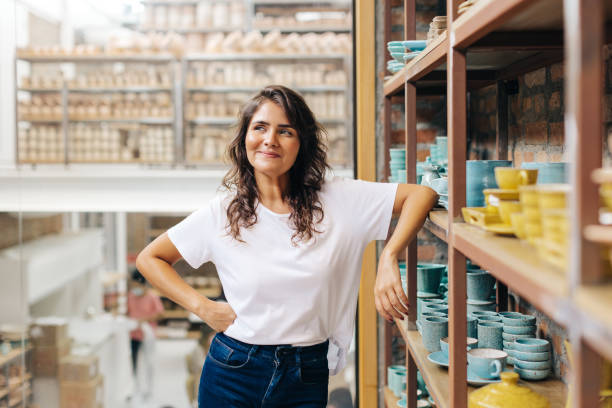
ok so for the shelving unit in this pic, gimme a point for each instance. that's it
(390, 399)
(492, 42)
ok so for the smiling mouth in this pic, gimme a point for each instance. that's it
(270, 155)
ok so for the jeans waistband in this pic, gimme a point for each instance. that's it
(273, 351)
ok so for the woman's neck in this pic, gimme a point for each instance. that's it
(272, 192)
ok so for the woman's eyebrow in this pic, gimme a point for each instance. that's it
(263, 122)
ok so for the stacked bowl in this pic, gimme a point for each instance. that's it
(397, 165)
(531, 358)
(516, 326)
(402, 52)
(554, 244)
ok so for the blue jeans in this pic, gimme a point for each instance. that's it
(238, 374)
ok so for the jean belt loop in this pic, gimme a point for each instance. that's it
(298, 356)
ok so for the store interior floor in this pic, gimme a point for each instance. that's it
(170, 375)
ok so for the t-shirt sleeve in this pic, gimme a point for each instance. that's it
(192, 236)
(371, 204)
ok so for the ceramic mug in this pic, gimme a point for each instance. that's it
(487, 363)
(479, 285)
(508, 178)
(480, 175)
(472, 327)
(432, 330)
(429, 276)
(490, 335)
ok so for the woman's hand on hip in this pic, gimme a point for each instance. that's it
(218, 315)
(389, 296)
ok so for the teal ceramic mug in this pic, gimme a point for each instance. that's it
(486, 363)
(480, 175)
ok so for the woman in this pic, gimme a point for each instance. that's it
(288, 246)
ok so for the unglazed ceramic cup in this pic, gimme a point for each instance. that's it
(432, 330)
(490, 335)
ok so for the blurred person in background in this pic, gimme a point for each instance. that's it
(144, 307)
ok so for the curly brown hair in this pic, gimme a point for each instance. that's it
(305, 176)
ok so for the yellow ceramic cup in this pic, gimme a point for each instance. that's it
(532, 214)
(533, 229)
(507, 208)
(606, 197)
(518, 220)
(509, 178)
(528, 196)
(553, 196)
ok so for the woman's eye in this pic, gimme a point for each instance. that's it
(286, 132)
(259, 128)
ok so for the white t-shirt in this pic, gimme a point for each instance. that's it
(284, 294)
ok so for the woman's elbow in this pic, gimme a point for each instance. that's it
(430, 194)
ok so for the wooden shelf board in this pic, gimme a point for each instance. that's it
(390, 398)
(436, 377)
(395, 84)
(517, 264)
(437, 224)
(13, 354)
(594, 304)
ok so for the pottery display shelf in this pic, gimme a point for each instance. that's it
(390, 399)
(437, 378)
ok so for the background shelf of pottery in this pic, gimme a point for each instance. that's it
(492, 43)
(214, 55)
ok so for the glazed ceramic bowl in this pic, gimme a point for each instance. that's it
(518, 320)
(480, 305)
(519, 329)
(507, 344)
(434, 307)
(509, 313)
(396, 48)
(529, 356)
(398, 56)
(509, 178)
(489, 319)
(507, 208)
(415, 45)
(532, 365)
(513, 337)
(531, 345)
(532, 375)
(480, 313)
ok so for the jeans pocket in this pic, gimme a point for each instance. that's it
(314, 371)
(225, 356)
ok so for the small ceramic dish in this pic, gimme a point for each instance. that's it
(527, 356)
(522, 320)
(415, 45)
(533, 375)
(519, 329)
(531, 345)
(532, 365)
(514, 337)
(410, 55)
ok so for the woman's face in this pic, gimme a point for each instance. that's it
(272, 145)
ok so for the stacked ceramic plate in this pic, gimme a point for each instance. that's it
(397, 165)
(516, 326)
(402, 52)
(436, 28)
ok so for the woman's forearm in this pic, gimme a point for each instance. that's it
(168, 282)
(412, 216)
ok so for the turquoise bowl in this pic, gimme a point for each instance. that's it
(480, 306)
(429, 276)
(528, 356)
(532, 375)
(531, 345)
(489, 319)
(410, 55)
(519, 329)
(549, 172)
(480, 175)
(396, 48)
(395, 43)
(415, 45)
(508, 345)
(398, 56)
(479, 285)
(504, 314)
(435, 307)
(515, 337)
(519, 320)
(479, 313)
(423, 300)
(532, 365)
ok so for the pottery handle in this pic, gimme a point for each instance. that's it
(498, 368)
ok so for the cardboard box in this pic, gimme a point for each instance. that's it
(78, 368)
(48, 332)
(46, 360)
(82, 394)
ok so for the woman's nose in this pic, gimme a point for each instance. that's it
(271, 138)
